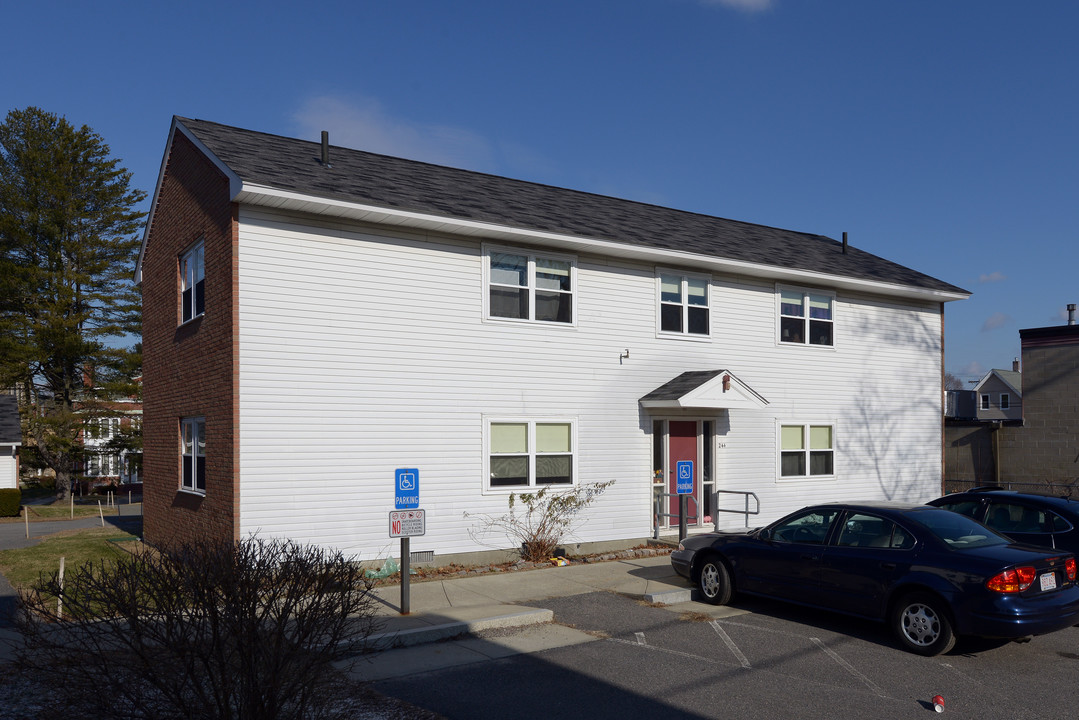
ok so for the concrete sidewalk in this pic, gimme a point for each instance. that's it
(459, 608)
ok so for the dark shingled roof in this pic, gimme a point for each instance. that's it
(389, 182)
(10, 432)
(684, 383)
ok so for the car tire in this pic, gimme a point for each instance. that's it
(714, 581)
(922, 625)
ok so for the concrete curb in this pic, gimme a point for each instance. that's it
(672, 597)
(502, 617)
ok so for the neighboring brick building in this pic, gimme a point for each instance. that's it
(1045, 450)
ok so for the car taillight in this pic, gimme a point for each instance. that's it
(1013, 581)
(1069, 568)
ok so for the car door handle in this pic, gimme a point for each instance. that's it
(811, 557)
(887, 566)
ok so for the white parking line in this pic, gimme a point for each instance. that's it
(730, 644)
(640, 638)
(848, 667)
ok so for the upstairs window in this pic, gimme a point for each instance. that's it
(1005, 401)
(805, 317)
(193, 455)
(523, 286)
(985, 401)
(806, 450)
(192, 279)
(683, 304)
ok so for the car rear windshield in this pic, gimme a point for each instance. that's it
(957, 531)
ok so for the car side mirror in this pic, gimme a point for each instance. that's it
(764, 534)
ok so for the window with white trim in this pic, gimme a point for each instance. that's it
(806, 317)
(193, 455)
(530, 453)
(683, 304)
(1005, 401)
(192, 281)
(807, 450)
(526, 286)
(985, 401)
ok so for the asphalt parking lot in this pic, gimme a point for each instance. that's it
(756, 659)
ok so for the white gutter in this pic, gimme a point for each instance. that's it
(265, 196)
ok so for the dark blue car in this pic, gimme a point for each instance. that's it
(1024, 517)
(929, 573)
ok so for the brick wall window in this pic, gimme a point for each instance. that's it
(193, 278)
(193, 455)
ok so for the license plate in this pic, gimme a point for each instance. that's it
(1048, 581)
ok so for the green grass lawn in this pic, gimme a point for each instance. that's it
(22, 567)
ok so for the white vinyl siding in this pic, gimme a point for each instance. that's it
(362, 350)
(9, 476)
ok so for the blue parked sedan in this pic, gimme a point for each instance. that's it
(931, 574)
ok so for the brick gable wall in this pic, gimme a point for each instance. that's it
(190, 370)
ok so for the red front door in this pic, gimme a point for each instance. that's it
(682, 445)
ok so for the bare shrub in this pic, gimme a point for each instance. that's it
(539, 520)
(245, 630)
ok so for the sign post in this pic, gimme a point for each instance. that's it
(407, 520)
(685, 489)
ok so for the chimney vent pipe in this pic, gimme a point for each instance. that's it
(1071, 313)
(326, 148)
(844, 243)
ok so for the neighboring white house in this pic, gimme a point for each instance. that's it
(316, 318)
(10, 441)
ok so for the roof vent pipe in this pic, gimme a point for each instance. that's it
(326, 148)
(844, 243)
(1015, 365)
(1071, 313)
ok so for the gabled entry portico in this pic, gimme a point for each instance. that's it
(689, 419)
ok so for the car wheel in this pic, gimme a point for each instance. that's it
(714, 581)
(922, 625)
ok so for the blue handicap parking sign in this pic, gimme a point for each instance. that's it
(684, 469)
(407, 488)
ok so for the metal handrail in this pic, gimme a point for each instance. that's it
(747, 512)
(658, 514)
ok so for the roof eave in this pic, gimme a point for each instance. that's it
(265, 196)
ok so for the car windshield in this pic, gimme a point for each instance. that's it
(957, 531)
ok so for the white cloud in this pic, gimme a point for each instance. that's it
(744, 5)
(996, 276)
(995, 321)
(364, 124)
(972, 369)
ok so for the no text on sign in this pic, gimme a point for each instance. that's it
(407, 523)
(684, 468)
(406, 488)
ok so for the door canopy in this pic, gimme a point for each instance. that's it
(704, 389)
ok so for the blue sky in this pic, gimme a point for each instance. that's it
(943, 135)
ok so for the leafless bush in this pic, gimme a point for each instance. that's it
(539, 520)
(231, 631)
